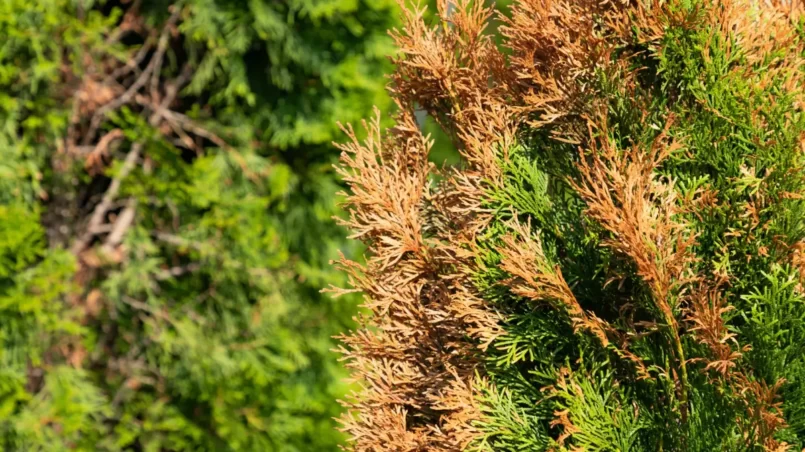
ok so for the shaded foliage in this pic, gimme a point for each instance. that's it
(166, 201)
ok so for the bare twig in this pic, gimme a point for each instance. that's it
(139, 305)
(159, 56)
(191, 126)
(173, 272)
(123, 99)
(156, 70)
(175, 240)
(103, 229)
(99, 213)
(131, 65)
(83, 150)
(121, 226)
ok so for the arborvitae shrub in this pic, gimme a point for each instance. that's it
(617, 263)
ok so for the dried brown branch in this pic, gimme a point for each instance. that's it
(133, 64)
(99, 213)
(457, 74)
(624, 195)
(535, 278)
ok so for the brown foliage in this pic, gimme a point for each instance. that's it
(639, 211)
(416, 361)
(556, 47)
(535, 278)
(705, 309)
(456, 74)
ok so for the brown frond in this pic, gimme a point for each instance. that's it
(561, 418)
(386, 190)
(704, 313)
(535, 278)
(764, 412)
(639, 211)
(459, 428)
(797, 259)
(387, 428)
(556, 48)
(764, 30)
(457, 75)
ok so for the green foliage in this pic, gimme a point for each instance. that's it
(33, 282)
(593, 405)
(508, 426)
(204, 329)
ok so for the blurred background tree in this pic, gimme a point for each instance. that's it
(166, 196)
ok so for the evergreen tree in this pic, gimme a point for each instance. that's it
(165, 219)
(617, 262)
